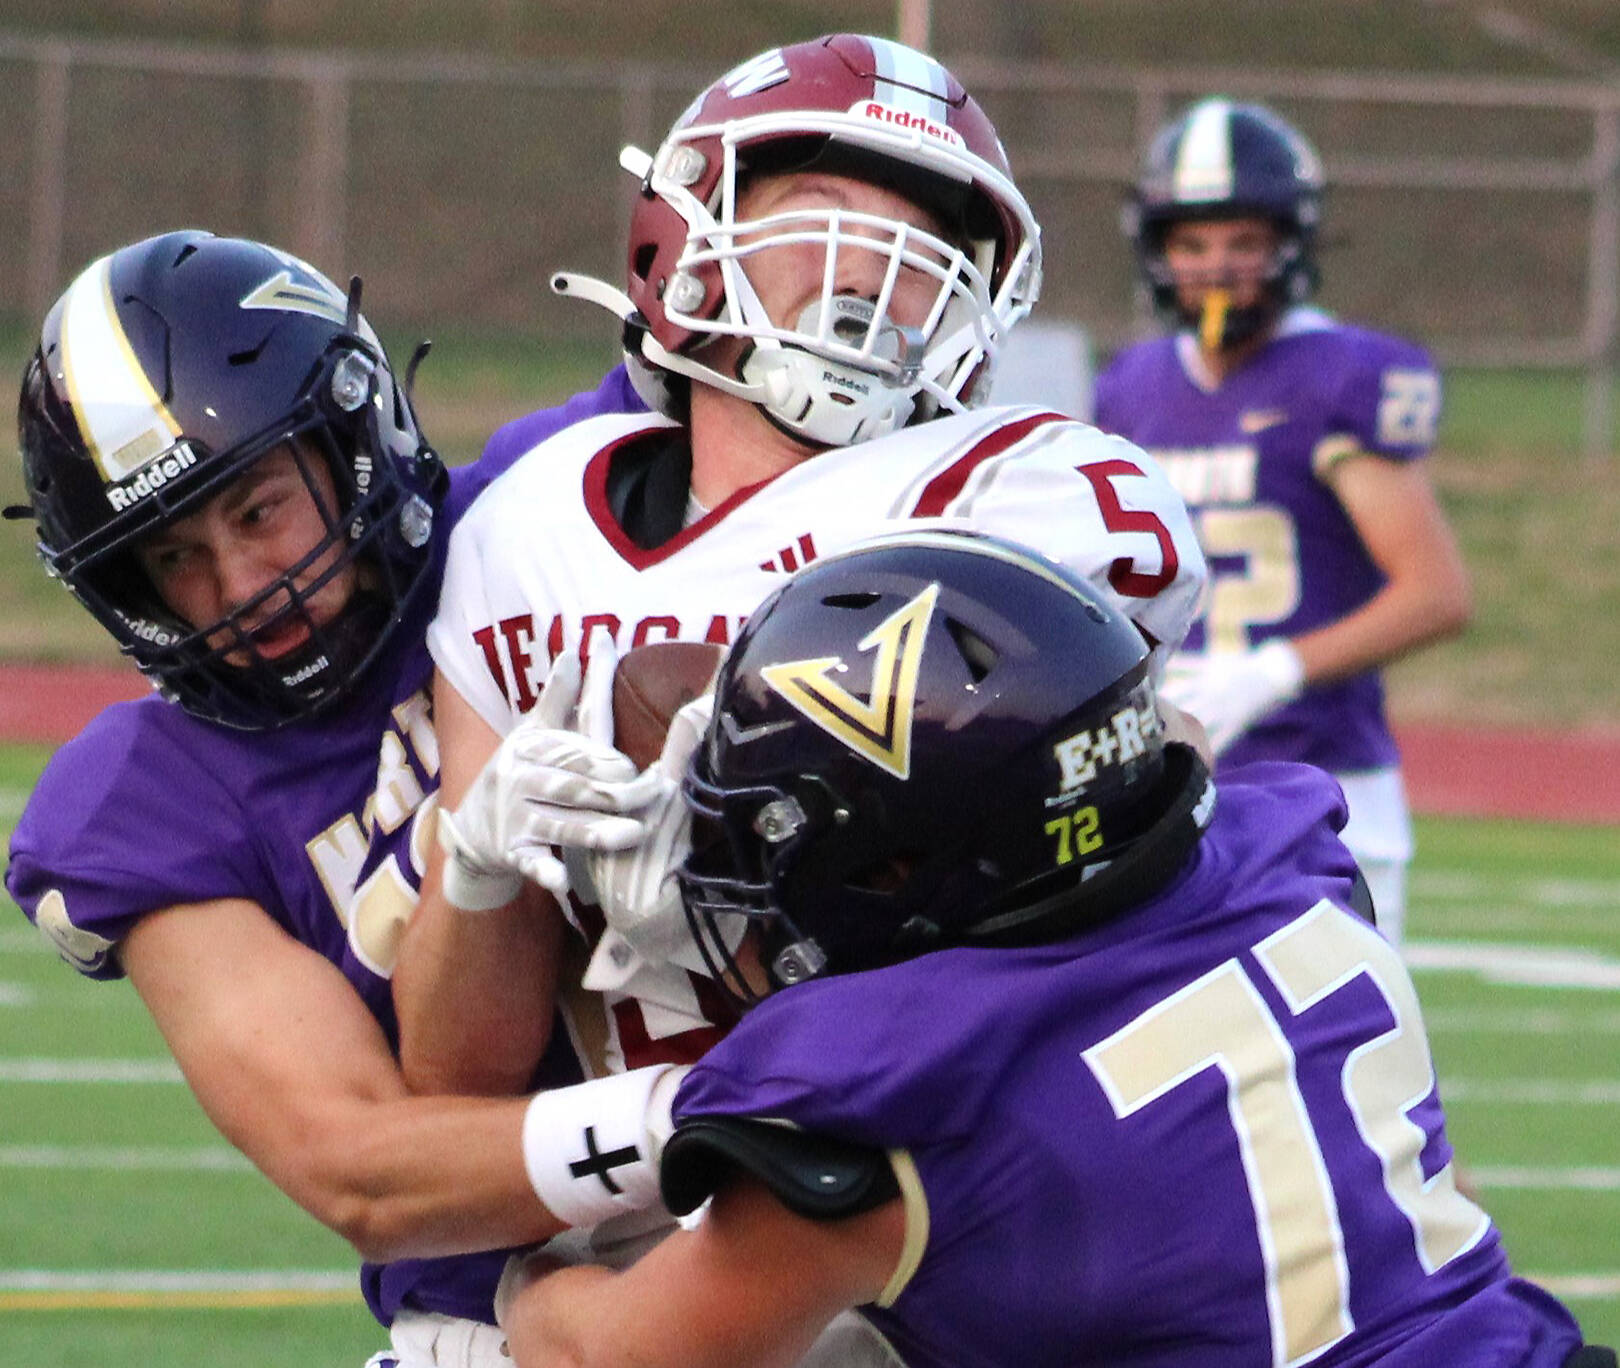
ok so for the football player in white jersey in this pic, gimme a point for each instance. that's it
(824, 257)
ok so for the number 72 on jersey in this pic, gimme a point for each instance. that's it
(1221, 1020)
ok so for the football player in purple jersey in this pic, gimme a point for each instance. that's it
(1059, 1052)
(227, 473)
(1297, 441)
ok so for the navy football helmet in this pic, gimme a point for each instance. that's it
(933, 739)
(1221, 160)
(164, 372)
(844, 371)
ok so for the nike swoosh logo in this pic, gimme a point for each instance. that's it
(1258, 420)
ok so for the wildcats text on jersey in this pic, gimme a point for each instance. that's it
(508, 646)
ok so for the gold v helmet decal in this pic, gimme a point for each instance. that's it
(312, 295)
(879, 730)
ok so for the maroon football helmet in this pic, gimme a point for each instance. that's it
(844, 371)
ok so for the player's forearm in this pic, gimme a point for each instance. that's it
(421, 1178)
(1398, 620)
(473, 993)
(750, 1287)
(402, 1176)
(656, 1314)
(565, 1320)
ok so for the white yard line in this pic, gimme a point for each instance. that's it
(35, 1289)
(1456, 885)
(1516, 965)
(1596, 1092)
(1578, 1285)
(36, 1070)
(1520, 1021)
(121, 1158)
(177, 1280)
(1562, 1178)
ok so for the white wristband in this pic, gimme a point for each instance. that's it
(468, 884)
(592, 1150)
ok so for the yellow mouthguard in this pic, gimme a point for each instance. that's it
(1212, 324)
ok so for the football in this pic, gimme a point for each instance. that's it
(652, 683)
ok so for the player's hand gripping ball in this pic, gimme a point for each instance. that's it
(662, 700)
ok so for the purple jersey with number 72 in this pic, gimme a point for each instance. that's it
(1207, 1133)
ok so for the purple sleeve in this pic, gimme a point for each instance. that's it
(1387, 397)
(1103, 397)
(120, 825)
(614, 395)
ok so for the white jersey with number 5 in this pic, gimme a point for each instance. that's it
(539, 561)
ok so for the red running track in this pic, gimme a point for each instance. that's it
(1507, 772)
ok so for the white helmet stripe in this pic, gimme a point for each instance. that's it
(915, 82)
(1204, 159)
(121, 418)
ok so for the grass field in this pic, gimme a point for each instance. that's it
(126, 1219)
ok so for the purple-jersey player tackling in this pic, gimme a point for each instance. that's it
(1058, 1054)
(1297, 442)
(225, 472)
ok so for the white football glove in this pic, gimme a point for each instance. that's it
(1230, 690)
(546, 785)
(636, 885)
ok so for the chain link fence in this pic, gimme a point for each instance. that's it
(1481, 216)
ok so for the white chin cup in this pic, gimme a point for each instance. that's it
(839, 402)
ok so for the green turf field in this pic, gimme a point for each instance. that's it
(126, 1220)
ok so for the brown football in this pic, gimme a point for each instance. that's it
(652, 684)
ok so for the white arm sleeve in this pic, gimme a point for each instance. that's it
(464, 609)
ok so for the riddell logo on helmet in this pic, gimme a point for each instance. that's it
(152, 477)
(847, 382)
(148, 631)
(904, 118)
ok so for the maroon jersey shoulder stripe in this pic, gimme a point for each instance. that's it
(601, 512)
(948, 483)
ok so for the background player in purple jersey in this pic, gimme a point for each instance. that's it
(1296, 440)
(1058, 1055)
(226, 472)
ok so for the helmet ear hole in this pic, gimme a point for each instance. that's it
(886, 875)
(977, 654)
(852, 602)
